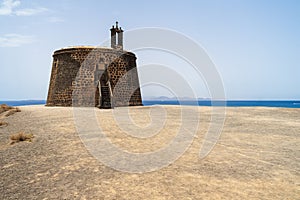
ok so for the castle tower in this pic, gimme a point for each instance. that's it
(95, 76)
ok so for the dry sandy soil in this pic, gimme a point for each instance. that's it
(256, 157)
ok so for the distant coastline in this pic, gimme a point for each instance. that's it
(199, 102)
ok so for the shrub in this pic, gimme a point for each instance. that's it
(20, 137)
(9, 109)
(12, 111)
(4, 108)
(2, 124)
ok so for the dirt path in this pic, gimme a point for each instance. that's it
(257, 156)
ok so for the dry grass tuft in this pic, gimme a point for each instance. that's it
(12, 111)
(20, 137)
(4, 108)
(8, 109)
(2, 124)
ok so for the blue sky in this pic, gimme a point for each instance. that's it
(255, 45)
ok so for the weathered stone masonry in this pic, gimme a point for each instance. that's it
(95, 76)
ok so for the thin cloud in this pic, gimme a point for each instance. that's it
(9, 7)
(15, 40)
(30, 11)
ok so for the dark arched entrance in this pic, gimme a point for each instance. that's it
(103, 93)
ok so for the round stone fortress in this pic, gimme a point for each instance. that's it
(95, 76)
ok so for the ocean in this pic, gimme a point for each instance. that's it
(229, 103)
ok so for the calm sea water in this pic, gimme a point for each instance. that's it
(284, 104)
(230, 103)
(23, 102)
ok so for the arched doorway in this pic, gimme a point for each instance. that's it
(103, 92)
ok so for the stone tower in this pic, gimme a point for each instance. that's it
(95, 76)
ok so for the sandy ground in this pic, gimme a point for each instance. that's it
(256, 157)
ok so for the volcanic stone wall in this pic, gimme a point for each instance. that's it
(76, 74)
